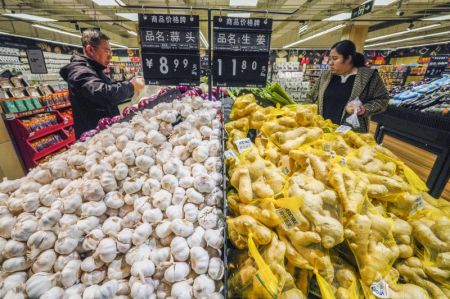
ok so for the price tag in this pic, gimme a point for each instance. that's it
(230, 154)
(287, 218)
(170, 49)
(243, 144)
(236, 70)
(417, 205)
(241, 51)
(380, 289)
(176, 69)
(343, 129)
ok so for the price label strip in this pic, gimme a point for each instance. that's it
(229, 154)
(380, 289)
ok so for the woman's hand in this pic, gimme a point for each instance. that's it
(350, 109)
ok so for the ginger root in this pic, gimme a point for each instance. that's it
(241, 226)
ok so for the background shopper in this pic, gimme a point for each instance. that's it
(346, 80)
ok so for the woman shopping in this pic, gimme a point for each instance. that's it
(349, 93)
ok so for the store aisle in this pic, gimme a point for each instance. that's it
(410, 155)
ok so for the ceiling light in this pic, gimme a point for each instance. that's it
(117, 45)
(402, 32)
(383, 2)
(129, 16)
(243, 2)
(422, 45)
(315, 35)
(303, 27)
(109, 2)
(408, 39)
(339, 17)
(41, 39)
(239, 15)
(438, 18)
(56, 30)
(25, 16)
(132, 32)
(203, 39)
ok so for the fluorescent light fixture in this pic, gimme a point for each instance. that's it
(56, 30)
(243, 2)
(132, 32)
(315, 35)
(239, 15)
(423, 45)
(302, 28)
(408, 39)
(109, 2)
(339, 17)
(383, 2)
(41, 39)
(129, 16)
(117, 45)
(438, 18)
(28, 17)
(204, 40)
(402, 32)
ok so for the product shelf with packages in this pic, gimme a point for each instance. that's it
(315, 210)
(39, 121)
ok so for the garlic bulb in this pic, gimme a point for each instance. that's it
(92, 239)
(15, 264)
(182, 228)
(203, 286)
(121, 171)
(176, 272)
(13, 248)
(160, 255)
(151, 186)
(199, 260)
(49, 219)
(141, 233)
(182, 289)
(162, 199)
(197, 238)
(12, 281)
(186, 182)
(155, 172)
(194, 196)
(208, 217)
(72, 203)
(214, 238)
(152, 216)
(204, 183)
(75, 291)
(107, 290)
(133, 186)
(39, 283)
(62, 260)
(113, 200)
(92, 278)
(169, 182)
(25, 226)
(40, 241)
(108, 182)
(92, 190)
(179, 249)
(67, 240)
(53, 293)
(90, 264)
(106, 250)
(190, 212)
(7, 222)
(144, 163)
(31, 202)
(70, 273)
(216, 268)
(88, 224)
(175, 212)
(112, 226)
(142, 290)
(128, 157)
(143, 269)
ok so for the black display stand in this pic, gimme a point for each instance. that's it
(427, 131)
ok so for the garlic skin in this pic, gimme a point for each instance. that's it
(181, 227)
(39, 283)
(208, 217)
(106, 250)
(214, 238)
(71, 273)
(152, 216)
(44, 261)
(190, 212)
(90, 264)
(15, 264)
(12, 281)
(197, 238)
(160, 255)
(141, 233)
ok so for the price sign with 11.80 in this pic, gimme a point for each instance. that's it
(173, 68)
(240, 70)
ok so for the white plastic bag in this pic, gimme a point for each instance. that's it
(352, 120)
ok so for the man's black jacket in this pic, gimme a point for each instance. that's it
(93, 95)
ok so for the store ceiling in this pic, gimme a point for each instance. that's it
(384, 20)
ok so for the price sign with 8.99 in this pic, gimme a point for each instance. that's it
(234, 70)
(170, 49)
(165, 68)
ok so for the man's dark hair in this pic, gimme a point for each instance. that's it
(93, 37)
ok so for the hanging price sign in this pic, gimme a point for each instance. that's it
(170, 49)
(241, 51)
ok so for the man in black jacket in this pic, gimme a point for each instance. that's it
(94, 95)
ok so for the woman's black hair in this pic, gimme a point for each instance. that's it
(348, 49)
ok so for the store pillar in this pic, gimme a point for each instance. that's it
(357, 34)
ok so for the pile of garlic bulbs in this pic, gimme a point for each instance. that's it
(133, 212)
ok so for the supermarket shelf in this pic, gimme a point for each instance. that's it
(53, 148)
(48, 130)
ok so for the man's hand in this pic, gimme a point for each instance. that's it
(137, 84)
